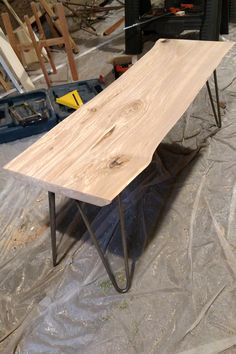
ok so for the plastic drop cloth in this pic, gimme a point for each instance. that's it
(181, 226)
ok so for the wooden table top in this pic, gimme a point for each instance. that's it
(98, 150)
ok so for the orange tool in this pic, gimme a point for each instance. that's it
(186, 6)
(173, 10)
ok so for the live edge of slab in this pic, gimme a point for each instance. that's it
(98, 150)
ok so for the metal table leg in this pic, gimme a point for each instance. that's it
(100, 252)
(217, 114)
(52, 212)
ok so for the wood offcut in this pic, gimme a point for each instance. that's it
(14, 63)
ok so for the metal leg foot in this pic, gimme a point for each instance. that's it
(100, 252)
(217, 114)
(52, 212)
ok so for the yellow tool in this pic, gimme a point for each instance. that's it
(71, 99)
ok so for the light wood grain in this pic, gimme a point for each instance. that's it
(22, 24)
(3, 82)
(97, 151)
(30, 55)
(44, 42)
(57, 23)
(14, 63)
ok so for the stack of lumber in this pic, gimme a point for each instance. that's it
(14, 63)
(23, 47)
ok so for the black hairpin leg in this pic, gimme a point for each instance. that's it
(52, 212)
(217, 114)
(101, 254)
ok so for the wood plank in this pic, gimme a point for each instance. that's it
(66, 37)
(3, 82)
(113, 27)
(57, 22)
(14, 63)
(37, 51)
(41, 34)
(22, 24)
(29, 55)
(97, 151)
(10, 33)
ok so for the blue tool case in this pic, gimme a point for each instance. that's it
(26, 114)
(87, 90)
(35, 112)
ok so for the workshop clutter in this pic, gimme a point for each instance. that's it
(35, 112)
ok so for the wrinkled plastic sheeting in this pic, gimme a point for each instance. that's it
(181, 227)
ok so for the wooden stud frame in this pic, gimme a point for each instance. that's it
(46, 43)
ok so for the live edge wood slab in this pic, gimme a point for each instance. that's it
(96, 152)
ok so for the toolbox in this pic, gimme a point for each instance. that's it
(26, 114)
(35, 112)
(86, 89)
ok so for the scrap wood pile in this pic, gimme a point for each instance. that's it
(47, 24)
(29, 43)
(87, 14)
